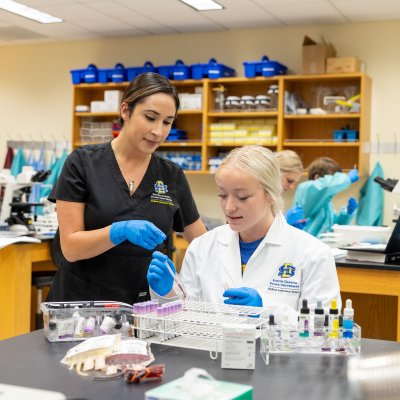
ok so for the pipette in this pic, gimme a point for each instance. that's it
(177, 280)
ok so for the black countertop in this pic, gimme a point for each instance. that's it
(30, 360)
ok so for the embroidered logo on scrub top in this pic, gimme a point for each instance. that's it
(160, 196)
(160, 188)
(286, 281)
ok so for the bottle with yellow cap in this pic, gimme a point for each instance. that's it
(333, 314)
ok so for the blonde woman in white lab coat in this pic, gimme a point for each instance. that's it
(256, 259)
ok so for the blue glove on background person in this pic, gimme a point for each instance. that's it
(353, 175)
(159, 278)
(294, 214)
(301, 224)
(139, 232)
(351, 205)
(243, 296)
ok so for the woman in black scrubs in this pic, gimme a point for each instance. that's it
(118, 201)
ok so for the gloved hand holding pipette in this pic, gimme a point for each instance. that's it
(161, 275)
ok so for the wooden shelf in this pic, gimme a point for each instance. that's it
(321, 116)
(245, 114)
(97, 114)
(181, 144)
(190, 112)
(321, 144)
(310, 128)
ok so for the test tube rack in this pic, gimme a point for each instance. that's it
(198, 325)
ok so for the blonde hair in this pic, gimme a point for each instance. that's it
(289, 162)
(260, 163)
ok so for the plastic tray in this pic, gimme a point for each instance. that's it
(212, 70)
(60, 319)
(265, 67)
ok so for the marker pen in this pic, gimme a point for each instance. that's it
(304, 320)
(319, 319)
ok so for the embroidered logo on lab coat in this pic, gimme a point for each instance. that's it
(286, 270)
(160, 196)
(286, 281)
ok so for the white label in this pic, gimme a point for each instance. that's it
(238, 346)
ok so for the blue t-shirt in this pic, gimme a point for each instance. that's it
(247, 250)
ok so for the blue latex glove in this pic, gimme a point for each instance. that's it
(301, 223)
(243, 296)
(351, 205)
(294, 214)
(353, 175)
(159, 278)
(141, 233)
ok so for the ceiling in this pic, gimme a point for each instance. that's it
(96, 19)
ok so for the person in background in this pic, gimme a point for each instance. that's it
(315, 195)
(291, 169)
(118, 201)
(257, 258)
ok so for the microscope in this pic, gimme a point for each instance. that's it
(15, 206)
(391, 185)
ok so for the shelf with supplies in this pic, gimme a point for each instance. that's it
(314, 115)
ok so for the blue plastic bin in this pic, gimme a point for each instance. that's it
(133, 72)
(341, 135)
(116, 74)
(212, 70)
(179, 71)
(177, 134)
(87, 75)
(263, 68)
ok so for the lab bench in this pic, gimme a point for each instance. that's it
(374, 289)
(34, 362)
(17, 262)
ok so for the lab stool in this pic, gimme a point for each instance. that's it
(40, 282)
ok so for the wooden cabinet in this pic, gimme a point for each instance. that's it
(312, 136)
(211, 132)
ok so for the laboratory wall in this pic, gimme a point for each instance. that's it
(36, 90)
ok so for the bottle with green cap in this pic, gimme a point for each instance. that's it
(304, 320)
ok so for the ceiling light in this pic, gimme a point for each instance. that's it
(203, 5)
(28, 12)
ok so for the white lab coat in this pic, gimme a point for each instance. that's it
(288, 266)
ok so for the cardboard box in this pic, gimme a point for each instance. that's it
(343, 65)
(315, 55)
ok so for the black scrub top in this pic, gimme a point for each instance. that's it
(91, 175)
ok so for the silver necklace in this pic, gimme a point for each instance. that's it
(130, 182)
